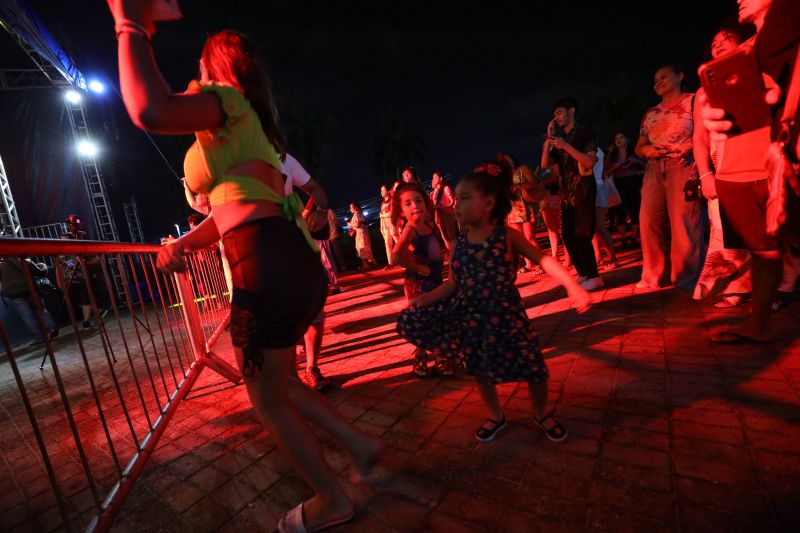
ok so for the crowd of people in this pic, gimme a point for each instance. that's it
(462, 244)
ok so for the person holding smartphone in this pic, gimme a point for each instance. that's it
(742, 189)
(575, 154)
(665, 140)
(726, 272)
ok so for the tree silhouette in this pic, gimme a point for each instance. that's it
(394, 148)
(308, 133)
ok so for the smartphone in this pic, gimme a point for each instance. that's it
(734, 83)
(166, 10)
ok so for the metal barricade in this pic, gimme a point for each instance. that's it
(75, 434)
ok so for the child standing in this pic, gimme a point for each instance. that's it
(363, 245)
(419, 251)
(477, 314)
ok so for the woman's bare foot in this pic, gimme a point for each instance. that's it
(367, 454)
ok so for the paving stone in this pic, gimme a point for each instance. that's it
(470, 511)
(398, 513)
(635, 455)
(604, 518)
(656, 506)
(625, 474)
(548, 508)
(666, 431)
(692, 517)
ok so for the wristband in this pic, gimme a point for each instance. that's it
(128, 26)
(706, 174)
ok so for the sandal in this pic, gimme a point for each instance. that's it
(445, 367)
(292, 522)
(485, 434)
(555, 432)
(420, 367)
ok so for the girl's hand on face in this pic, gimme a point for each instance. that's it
(581, 300)
(416, 302)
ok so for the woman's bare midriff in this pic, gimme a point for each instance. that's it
(235, 213)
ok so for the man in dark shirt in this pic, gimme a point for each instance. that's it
(573, 148)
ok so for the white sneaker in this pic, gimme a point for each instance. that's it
(581, 279)
(642, 284)
(592, 284)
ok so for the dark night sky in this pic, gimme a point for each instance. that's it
(470, 80)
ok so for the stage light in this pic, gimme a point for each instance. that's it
(97, 87)
(87, 148)
(72, 96)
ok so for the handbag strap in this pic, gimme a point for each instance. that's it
(792, 96)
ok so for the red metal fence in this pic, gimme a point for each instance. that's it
(85, 420)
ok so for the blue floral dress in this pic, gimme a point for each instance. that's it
(483, 324)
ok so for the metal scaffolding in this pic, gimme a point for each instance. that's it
(132, 217)
(48, 74)
(9, 219)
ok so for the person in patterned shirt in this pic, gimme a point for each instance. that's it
(665, 140)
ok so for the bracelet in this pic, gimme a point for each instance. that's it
(706, 174)
(128, 26)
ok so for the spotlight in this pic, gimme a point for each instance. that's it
(72, 96)
(97, 87)
(87, 148)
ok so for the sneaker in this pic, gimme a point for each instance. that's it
(581, 279)
(53, 333)
(315, 380)
(642, 284)
(87, 324)
(592, 284)
(334, 290)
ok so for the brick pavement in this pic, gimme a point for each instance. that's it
(667, 431)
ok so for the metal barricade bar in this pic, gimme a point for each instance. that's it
(97, 410)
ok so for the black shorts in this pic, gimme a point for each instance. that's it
(743, 209)
(279, 286)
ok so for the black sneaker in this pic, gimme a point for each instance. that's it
(53, 333)
(315, 380)
(87, 324)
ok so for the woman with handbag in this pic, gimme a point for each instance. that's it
(627, 171)
(665, 140)
(522, 216)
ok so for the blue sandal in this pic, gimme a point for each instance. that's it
(485, 434)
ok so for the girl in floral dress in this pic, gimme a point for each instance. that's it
(477, 315)
(419, 251)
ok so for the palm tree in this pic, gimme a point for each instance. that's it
(394, 148)
(308, 133)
